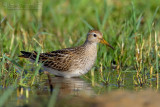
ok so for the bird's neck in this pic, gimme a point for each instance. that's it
(90, 53)
(90, 47)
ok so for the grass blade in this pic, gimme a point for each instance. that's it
(53, 98)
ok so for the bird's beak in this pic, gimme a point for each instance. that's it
(105, 42)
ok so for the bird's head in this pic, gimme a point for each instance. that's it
(95, 36)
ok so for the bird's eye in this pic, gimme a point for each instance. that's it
(94, 35)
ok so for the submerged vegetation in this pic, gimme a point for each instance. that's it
(131, 27)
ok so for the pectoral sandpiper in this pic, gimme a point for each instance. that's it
(70, 62)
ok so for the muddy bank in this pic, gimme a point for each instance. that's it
(147, 98)
(119, 98)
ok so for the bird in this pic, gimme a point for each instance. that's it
(70, 62)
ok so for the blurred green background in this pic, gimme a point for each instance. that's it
(131, 26)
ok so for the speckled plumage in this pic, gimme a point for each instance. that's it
(70, 62)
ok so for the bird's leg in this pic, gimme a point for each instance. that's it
(50, 82)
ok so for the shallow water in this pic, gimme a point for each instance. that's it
(67, 87)
(78, 87)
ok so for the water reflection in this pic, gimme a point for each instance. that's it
(71, 86)
(68, 86)
(22, 96)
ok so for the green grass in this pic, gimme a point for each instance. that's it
(132, 27)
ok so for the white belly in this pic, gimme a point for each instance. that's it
(66, 74)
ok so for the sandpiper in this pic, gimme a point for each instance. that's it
(70, 62)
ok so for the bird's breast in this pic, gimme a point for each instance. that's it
(86, 60)
(92, 55)
(89, 62)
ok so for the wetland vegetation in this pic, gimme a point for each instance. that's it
(131, 27)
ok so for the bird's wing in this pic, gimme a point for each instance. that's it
(58, 60)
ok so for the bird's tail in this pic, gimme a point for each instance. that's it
(25, 54)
